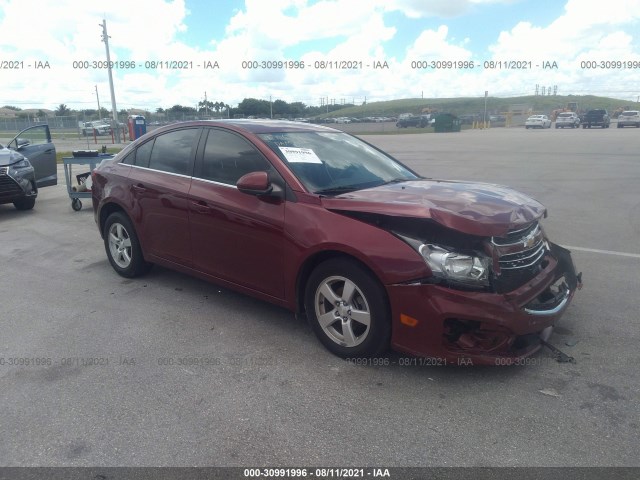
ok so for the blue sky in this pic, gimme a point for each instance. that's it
(565, 32)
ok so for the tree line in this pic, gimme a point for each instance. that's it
(249, 107)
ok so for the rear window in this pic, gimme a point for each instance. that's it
(632, 113)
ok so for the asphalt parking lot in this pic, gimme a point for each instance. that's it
(269, 394)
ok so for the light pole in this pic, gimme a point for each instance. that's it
(105, 39)
(98, 98)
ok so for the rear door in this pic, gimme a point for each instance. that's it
(159, 184)
(35, 144)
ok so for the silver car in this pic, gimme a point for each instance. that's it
(567, 119)
(629, 118)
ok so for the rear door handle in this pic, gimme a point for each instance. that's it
(201, 207)
(139, 188)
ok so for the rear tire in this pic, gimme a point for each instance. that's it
(348, 309)
(123, 247)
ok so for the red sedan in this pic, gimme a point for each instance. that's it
(326, 225)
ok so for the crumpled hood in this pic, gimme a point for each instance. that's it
(474, 208)
(8, 157)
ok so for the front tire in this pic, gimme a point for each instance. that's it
(348, 309)
(123, 247)
(26, 203)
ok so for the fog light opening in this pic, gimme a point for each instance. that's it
(468, 335)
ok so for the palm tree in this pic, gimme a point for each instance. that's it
(62, 110)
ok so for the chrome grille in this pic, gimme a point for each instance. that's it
(520, 255)
(4, 170)
(523, 259)
(517, 236)
(520, 249)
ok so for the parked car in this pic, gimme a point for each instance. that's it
(567, 119)
(468, 119)
(27, 163)
(99, 126)
(418, 121)
(537, 121)
(596, 118)
(328, 226)
(629, 118)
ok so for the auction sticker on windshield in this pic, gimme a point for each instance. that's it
(300, 155)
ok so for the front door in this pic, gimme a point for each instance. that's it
(35, 144)
(235, 236)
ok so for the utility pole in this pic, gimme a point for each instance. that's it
(105, 39)
(98, 97)
(484, 119)
(271, 106)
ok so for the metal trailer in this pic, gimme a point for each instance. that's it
(69, 162)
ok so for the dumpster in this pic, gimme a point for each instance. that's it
(447, 122)
(137, 126)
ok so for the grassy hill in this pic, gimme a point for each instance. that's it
(470, 105)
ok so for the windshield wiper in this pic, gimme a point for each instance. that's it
(339, 189)
(398, 180)
(361, 186)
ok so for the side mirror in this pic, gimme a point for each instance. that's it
(255, 183)
(22, 142)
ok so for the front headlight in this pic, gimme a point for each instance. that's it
(21, 164)
(455, 266)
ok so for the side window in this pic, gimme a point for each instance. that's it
(128, 160)
(143, 153)
(227, 157)
(33, 136)
(172, 151)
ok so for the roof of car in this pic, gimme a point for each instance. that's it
(261, 126)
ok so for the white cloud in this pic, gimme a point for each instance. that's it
(435, 8)
(330, 30)
(585, 32)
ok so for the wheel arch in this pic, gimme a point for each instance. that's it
(106, 210)
(310, 263)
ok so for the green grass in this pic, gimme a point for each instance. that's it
(471, 105)
(61, 155)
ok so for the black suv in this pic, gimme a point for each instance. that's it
(420, 121)
(26, 163)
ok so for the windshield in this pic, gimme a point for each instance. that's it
(333, 163)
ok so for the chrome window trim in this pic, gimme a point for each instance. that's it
(228, 185)
(156, 170)
(183, 176)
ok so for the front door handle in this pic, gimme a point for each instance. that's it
(201, 207)
(139, 188)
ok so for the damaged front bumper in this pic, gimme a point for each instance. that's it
(483, 328)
